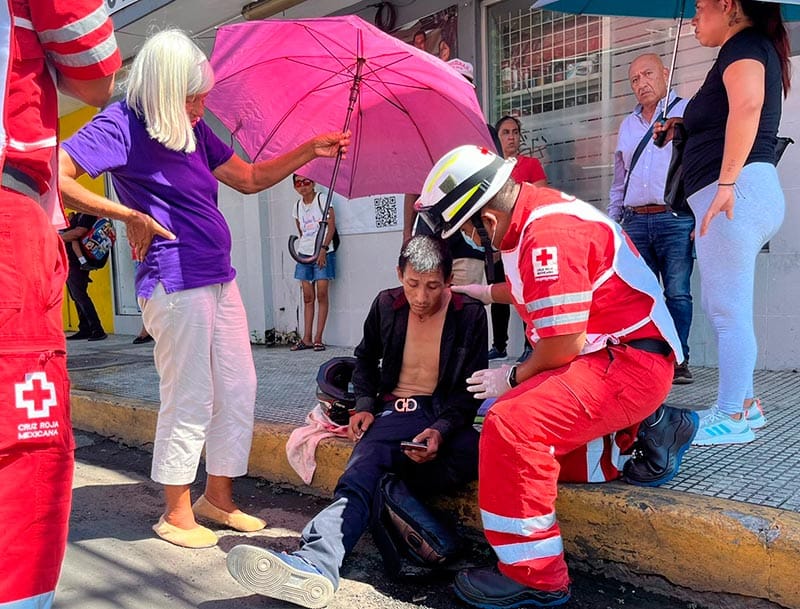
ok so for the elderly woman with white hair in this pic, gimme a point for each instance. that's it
(165, 163)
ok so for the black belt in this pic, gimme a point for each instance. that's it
(651, 345)
(20, 182)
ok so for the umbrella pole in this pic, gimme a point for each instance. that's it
(662, 137)
(355, 88)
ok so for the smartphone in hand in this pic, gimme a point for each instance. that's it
(413, 445)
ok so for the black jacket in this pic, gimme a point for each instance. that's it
(463, 352)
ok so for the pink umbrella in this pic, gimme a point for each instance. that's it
(281, 82)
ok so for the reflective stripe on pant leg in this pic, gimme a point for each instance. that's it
(182, 325)
(546, 417)
(230, 433)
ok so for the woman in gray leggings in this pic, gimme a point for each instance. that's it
(729, 174)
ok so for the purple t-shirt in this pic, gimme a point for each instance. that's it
(175, 188)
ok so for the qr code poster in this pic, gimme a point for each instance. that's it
(373, 214)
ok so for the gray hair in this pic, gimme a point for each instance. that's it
(426, 254)
(168, 69)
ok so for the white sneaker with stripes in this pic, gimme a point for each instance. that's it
(717, 427)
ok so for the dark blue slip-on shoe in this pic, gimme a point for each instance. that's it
(487, 588)
(662, 440)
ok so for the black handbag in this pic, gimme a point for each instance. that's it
(674, 191)
(413, 540)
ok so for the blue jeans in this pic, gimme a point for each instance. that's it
(332, 533)
(664, 241)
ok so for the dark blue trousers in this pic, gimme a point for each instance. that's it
(333, 533)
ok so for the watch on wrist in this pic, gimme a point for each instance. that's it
(512, 377)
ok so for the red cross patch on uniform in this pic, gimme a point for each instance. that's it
(545, 263)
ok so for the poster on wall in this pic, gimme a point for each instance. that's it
(373, 214)
(436, 33)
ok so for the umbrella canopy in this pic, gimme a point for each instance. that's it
(656, 9)
(280, 82)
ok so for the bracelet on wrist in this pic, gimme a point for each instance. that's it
(726, 184)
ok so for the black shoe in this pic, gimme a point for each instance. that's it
(140, 340)
(80, 335)
(487, 588)
(662, 440)
(682, 375)
(98, 336)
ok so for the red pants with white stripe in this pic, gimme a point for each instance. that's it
(530, 427)
(36, 443)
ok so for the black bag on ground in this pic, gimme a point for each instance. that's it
(412, 539)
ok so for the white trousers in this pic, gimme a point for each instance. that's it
(208, 382)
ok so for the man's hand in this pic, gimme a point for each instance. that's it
(328, 144)
(667, 127)
(141, 229)
(476, 290)
(428, 436)
(360, 422)
(489, 383)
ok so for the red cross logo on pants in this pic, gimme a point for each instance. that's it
(37, 395)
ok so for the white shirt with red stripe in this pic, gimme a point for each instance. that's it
(37, 39)
(571, 269)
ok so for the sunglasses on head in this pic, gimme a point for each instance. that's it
(303, 182)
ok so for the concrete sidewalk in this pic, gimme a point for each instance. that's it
(728, 523)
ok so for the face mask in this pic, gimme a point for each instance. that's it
(472, 244)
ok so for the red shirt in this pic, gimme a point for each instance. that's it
(528, 170)
(77, 39)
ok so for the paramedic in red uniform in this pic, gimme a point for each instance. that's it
(76, 40)
(605, 349)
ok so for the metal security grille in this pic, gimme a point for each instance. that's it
(543, 61)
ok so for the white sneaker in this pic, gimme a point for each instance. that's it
(755, 414)
(718, 427)
(283, 576)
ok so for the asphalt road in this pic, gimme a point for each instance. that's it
(115, 561)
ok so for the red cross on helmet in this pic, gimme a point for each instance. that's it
(459, 185)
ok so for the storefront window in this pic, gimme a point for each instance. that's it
(541, 61)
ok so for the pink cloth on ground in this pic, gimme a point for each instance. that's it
(301, 447)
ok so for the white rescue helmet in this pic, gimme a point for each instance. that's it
(459, 185)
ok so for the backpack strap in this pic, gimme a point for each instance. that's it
(642, 144)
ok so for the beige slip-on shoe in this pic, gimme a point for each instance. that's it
(238, 520)
(198, 537)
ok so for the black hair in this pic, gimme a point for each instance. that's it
(426, 254)
(505, 118)
(766, 18)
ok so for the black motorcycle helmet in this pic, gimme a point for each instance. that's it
(333, 380)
